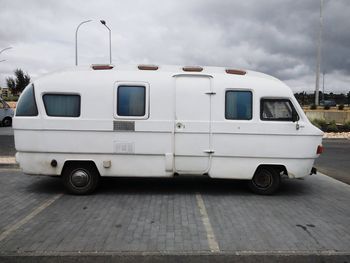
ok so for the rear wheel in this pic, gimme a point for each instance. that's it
(266, 181)
(7, 121)
(80, 178)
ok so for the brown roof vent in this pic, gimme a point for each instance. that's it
(236, 71)
(192, 69)
(101, 66)
(147, 67)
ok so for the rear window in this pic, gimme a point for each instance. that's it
(276, 110)
(238, 105)
(62, 105)
(131, 101)
(26, 105)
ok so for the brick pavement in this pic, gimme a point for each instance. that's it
(163, 216)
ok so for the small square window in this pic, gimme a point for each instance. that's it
(238, 105)
(131, 101)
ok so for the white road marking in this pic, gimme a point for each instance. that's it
(24, 220)
(213, 244)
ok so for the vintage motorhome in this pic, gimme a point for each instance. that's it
(161, 121)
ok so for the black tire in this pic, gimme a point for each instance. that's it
(80, 178)
(266, 181)
(7, 122)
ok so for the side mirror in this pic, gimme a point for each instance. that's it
(295, 116)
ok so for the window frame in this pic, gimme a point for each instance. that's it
(288, 100)
(251, 105)
(61, 94)
(131, 84)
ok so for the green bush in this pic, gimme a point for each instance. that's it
(346, 126)
(332, 127)
(327, 107)
(313, 107)
(11, 98)
(341, 107)
(320, 123)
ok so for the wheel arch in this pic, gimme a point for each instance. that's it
(67, 163)
(282, 170)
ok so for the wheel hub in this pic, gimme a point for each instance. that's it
(80, 178)
(264, 180)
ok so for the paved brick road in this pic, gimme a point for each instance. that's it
(165, 216)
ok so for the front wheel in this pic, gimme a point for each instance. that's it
(266, 181)
(80, 178)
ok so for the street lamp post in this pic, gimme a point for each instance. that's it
(76, 40)
(103, 22)
(2, 50)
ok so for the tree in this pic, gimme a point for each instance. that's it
(19, 82)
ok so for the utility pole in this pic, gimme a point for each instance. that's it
(319, 55)
(323, 86)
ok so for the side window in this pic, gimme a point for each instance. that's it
(62, 105)
(131, 101)
(26, 105)
(238, 105)
(2, 106)
(276, 110)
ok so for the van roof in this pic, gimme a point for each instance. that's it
(173, 69)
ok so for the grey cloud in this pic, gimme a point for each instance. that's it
(273, 36)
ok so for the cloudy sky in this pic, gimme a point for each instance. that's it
(277, 37)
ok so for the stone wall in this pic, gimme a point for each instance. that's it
(329, 115)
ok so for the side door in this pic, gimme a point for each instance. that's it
(192, 124)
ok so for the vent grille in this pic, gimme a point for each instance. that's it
(124, 126)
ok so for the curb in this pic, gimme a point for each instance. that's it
(8, 162)
(9, 165)
(222, 257)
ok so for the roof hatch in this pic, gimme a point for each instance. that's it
(147, 67)
(101, 66)
(192, 69)
(235, 71)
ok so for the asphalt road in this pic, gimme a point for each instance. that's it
(335, 161)
(7, 144)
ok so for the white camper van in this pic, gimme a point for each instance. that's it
(160, 121)
(6, 113)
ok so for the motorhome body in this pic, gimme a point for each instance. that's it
(151, 121)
